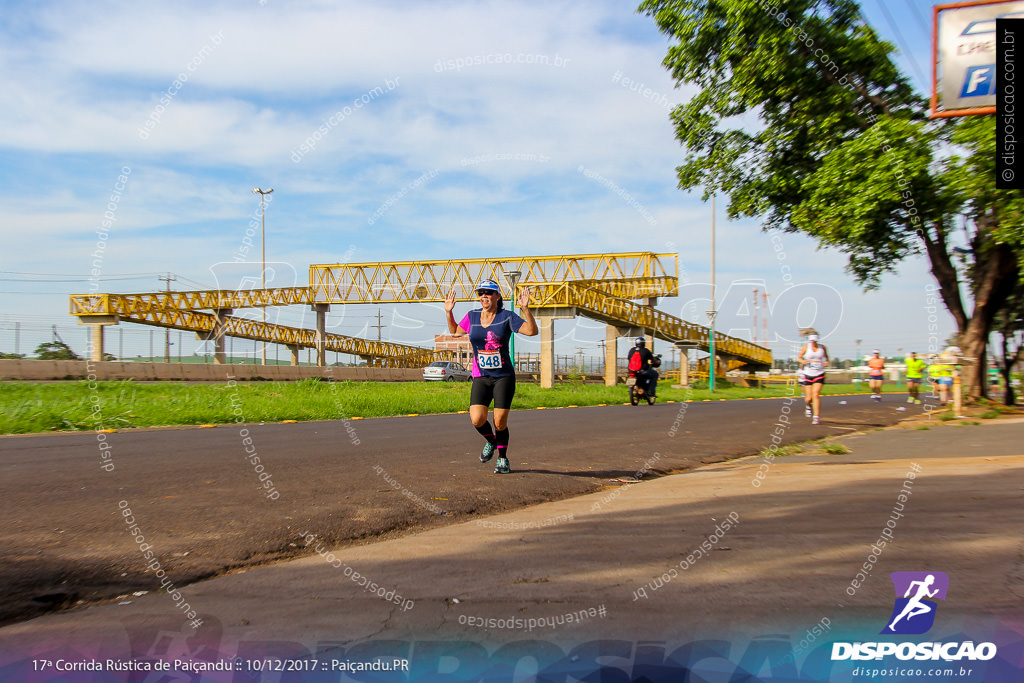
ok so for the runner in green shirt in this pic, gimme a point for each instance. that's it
(915, 373)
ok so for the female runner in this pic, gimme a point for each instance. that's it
(813, 357)
(490, 328)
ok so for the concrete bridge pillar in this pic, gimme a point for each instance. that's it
(219, 330)
(684, 361)
(321, 332)
(98, 322)
(611, 355)
(684, 368)
(217, 334)
(546, 318)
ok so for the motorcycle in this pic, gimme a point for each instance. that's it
(642, 384)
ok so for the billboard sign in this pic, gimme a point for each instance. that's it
(964, 56)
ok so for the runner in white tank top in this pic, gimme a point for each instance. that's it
(814, 358)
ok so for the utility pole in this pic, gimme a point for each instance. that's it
(378, 326)
(755, 314)
(167, 332)
(764, 317)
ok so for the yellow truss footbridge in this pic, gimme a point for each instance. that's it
(599, 286)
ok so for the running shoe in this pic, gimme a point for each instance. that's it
(917, 401)
(815, 420)
(910, 399)
(488, 452)
(501, 466)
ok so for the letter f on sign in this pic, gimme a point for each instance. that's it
(979, 81)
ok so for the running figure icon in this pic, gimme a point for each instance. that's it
(914, 606)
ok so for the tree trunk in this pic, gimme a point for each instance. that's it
(946, 276)
(996, 276)
(973, 343)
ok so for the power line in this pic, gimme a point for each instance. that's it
(203, 286)
(920, 19)
(902, 42)
(18, 272)
(75, 279)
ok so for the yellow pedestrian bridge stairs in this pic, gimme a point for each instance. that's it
(593, 300)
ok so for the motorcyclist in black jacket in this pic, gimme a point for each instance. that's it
(647, 376)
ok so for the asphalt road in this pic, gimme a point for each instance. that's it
(197, 498)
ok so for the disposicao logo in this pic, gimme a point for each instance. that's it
(914, 611)
(913, 614)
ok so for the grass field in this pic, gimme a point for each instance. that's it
(27, 407)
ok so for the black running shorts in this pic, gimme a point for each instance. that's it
(499, 389)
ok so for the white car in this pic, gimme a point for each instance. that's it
(446, 371)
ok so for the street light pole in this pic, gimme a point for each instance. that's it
(512, 276)
(263, 257)
(858, 363)
(711, 313)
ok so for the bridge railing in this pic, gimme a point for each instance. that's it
(421, 281)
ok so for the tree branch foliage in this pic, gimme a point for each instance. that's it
(804, 119)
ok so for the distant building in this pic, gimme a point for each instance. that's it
(460, 345)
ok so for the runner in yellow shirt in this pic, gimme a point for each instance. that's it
(915, 373)
(942, 375)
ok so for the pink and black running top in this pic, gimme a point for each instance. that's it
(490, 344)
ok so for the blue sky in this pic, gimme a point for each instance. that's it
(499, 128)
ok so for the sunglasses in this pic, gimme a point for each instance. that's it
(486, 292)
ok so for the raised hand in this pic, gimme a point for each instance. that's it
(523, 299)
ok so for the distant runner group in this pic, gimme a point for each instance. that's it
(813, 359)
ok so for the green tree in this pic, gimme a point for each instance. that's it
(11, 355)
(1010, 326)
(55, 350)
(803, 119)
